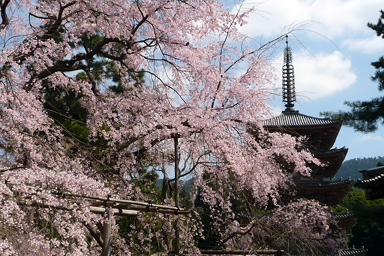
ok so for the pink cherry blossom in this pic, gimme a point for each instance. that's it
(201, 84)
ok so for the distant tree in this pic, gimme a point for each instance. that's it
(368, 230)
(350, 168)
(365, 116)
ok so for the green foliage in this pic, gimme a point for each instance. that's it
(369, 228)
(65, 109)
(365, 116)
(211, 234)
(64, 105)
(379, 65)
(101, 67)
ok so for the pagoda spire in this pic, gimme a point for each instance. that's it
(289, 94)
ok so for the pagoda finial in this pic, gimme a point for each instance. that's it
(289, 94)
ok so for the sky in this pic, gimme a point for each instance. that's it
(332, 50)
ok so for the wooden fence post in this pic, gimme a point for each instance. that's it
(106, 236)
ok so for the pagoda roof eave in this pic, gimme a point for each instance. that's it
(295, 119)
(332, 152)
(336, 183)
(345, 220)
(372, 182)
(344, 215)
(326, 192)
(372, 172)
(352, 252)
(332, 160)
(317, 130)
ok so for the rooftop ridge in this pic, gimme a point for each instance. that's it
(375, 180)
(352, 251)
(330, 151)
(321, 183)
(297, 119)
(342, 215)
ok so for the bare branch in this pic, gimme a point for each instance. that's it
(11, 169)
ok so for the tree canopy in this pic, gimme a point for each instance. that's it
(366, 116)
(101, 98)
(368, 230)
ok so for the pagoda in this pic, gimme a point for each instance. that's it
(321, 135)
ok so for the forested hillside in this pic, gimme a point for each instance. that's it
(350, 168)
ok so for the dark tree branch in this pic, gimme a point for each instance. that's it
(238, 233)
(94, 233)
(11, 169)
(193, 167)
(4, 16)
(75, 62)
(53, 27)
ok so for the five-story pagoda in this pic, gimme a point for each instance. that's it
(321, 135)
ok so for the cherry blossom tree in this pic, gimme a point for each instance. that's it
(94, 95)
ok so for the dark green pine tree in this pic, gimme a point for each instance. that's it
(366, 116)
(63, 105)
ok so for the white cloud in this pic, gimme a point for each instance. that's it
(366, 45)
(320, 75)
(330, 18)
(371, 137)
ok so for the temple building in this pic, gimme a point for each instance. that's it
(372, 183)
(321, 135)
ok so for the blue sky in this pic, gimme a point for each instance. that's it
(332, 53)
